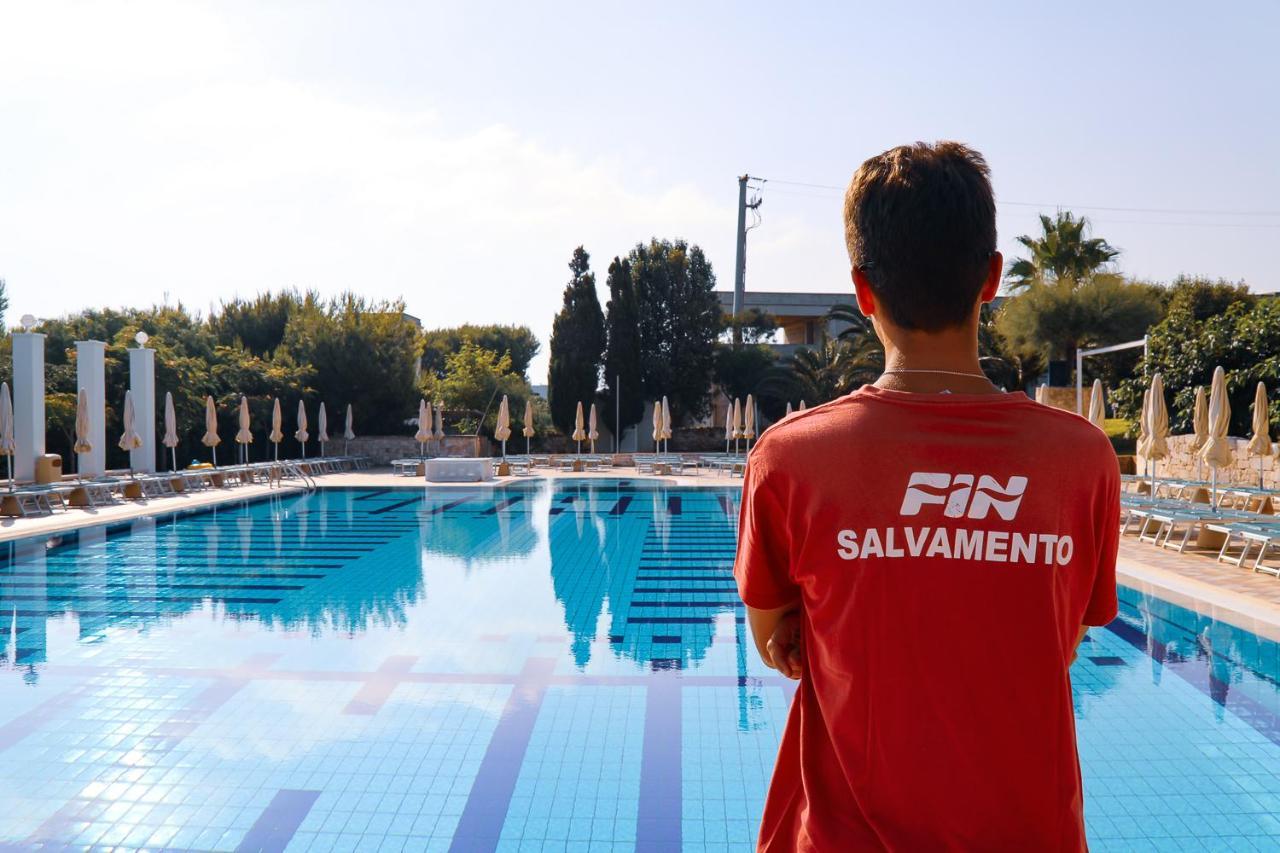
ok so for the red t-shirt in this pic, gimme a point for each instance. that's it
(946, 549)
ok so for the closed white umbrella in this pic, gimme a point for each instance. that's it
(1199, 428)
(210, 438)
(7, 443)
(788, 414)
(244, 435)
(170, 439)
(579, 432)
(1217, 450)
(1260, 441)
(657, 426)
(749, 422)
(728, 427)
(803, 406)
(666, 424)
(301, 433)
(423, 435)
(439, 427)
(348, 431)
(322, 428)
(528, 424)
(593, 431)
(1098, 406)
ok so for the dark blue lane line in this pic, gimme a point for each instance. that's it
(445, 507)
(711, 604)
(723, 577)
(486, 809)
(621, 506)
(662, 590)
(671, 620)
(161, 599)
(80, 588)
(1199, 674)
(500, 505)
(169, 571)
(372, 495)
(674, 506)
(276, 826)
(397, 505)
(659, 814)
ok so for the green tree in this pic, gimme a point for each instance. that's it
(577, 345)
(1060, 251)
(1204, 328)
(1064, 316)
(475, 377)
(4, 304)
(679, 320)
(258, 326)
(517, 341)
(834, 368)
(623, 382)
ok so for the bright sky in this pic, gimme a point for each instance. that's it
(455, 154)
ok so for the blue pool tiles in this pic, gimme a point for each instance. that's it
(548, 667)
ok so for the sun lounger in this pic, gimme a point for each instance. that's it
(26, 502)
(407, 467)
(1266, 535)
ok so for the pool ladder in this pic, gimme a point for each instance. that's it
(293, 469)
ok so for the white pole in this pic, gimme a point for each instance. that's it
(1079, 382)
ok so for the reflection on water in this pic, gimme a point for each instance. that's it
(647, 564)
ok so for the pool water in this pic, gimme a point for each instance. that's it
(548, 666)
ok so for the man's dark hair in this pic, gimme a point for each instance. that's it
(920, 221)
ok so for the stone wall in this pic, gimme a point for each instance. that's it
(1243, 470)
(381, 449)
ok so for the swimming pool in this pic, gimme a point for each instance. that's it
(552, 665)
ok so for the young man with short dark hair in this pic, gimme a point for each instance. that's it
(924, 553)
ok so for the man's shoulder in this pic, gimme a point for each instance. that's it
(1059, 429)
(801, 432)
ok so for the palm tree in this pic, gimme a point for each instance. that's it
(1061, 252)
(834, 368)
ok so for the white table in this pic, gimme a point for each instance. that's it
(459, 470)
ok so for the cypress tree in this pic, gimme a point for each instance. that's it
(577, 345)
(622, 350)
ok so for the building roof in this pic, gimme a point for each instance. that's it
(786, 304)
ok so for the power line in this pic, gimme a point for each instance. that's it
(1111, 209)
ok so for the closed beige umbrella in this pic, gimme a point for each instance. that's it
(423, 435)
(210, 438)
(129, 438)
(301, 433)
(528, 424)
(593, 429)
(1144, 433)
(502, 431)
(579, 430)
(749, 421)
(666, 424)
(170, 439)
(657, 426)
(1157, 419)
(277, 428)
(82, 445)
(737, 422)
(1217, 450)
(1260, 441)
(322, 428)
(439, 426)
(244, 435)
(728, 427)
(7, 442)
(348, 431)
(803, 406)
(788, 414)
(1199, 428)
(1098, 406)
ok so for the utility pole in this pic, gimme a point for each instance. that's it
(740, 267)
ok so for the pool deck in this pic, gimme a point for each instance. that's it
(1193, 580)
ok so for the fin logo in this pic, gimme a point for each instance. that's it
(961, 498)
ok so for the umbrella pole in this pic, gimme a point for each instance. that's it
(1260, 478)
(173, 455)
(1213, 481)
(214, 451)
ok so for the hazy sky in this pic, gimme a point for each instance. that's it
(454, 154)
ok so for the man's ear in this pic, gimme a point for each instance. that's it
(990, 287)
(862, 291)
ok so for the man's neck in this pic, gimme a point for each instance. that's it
(934, 363)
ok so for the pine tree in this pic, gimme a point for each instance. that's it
(577, 345)
(622, 350)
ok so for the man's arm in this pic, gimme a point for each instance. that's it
(778, 637)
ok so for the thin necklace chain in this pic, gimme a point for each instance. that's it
(945, 372)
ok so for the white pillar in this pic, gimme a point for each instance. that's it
(28, 402)
(90, 357)
(142, 381)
